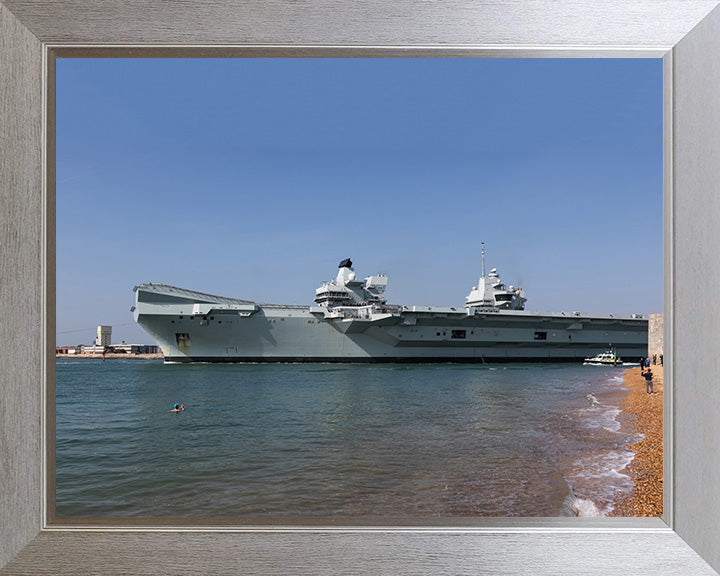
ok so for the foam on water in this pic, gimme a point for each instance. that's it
(605, 467)
(583, 507)
(597, 477)
(599, 415)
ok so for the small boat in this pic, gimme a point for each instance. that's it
(607, 358)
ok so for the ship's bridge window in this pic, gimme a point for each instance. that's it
(503, 297)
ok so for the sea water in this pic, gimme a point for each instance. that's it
(338, 440)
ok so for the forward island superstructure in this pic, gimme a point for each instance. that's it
(351, 321)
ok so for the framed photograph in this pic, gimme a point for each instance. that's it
(433, 390)
(683, 34)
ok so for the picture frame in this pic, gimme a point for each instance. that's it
(686, 34)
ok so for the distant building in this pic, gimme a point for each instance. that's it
(104, 334)
(68, 350)
(136, 348)
(122, 349)
(93, 349)
(103, 344)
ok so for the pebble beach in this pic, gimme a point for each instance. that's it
(643, 413)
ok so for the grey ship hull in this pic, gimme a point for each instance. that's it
(195, 327)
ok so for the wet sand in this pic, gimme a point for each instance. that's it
(643, 413)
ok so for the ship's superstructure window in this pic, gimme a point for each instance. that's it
(458, 334)
(540, 335)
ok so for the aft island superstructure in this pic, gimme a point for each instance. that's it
(351, 321)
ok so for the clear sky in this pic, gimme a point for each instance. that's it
(254, 178)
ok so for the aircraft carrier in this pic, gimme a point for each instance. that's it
(352, 322)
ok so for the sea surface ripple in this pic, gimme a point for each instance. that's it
(325, 440)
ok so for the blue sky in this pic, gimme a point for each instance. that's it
(253, 178)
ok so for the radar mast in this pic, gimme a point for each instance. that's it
(482, 251)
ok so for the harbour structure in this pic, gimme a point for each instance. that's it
(351, 321)
(130, 349)
(124, 348)
(103, 344)
(104, 336)
(68, 349)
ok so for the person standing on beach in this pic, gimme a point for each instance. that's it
(648, 381)
(661, 359)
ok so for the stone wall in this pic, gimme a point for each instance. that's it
(655, 334)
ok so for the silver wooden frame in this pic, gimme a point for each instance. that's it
(685, 33)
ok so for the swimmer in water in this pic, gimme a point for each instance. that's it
(178, 408)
